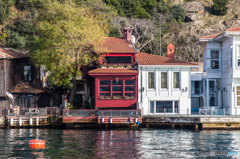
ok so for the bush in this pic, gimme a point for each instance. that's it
(219, 7)
(178, 12)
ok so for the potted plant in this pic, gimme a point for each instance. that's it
(129, 66)
(132, 97)
(115, 66)
(107, 97)
(104, 66)
(120, 66)
(110, 66)
(117, 97)
(102, 97)
(127, 97)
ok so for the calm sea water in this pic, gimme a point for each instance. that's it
(145, 143)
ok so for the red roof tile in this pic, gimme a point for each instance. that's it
(11, 53)
(106, 71)
(22, 88)
(234, 29)
(209, 36)
(117, 45)
(150, 59)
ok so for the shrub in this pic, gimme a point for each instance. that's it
(178, 12)
(219, 7)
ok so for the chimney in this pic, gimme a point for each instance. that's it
(170, 51)
(127, 34)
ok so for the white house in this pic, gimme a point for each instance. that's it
(221, 71)
(164, 84)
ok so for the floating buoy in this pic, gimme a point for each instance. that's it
(11, 121)
(110, 120)
(36, 144)
(102, 119)
(130, 119)
(20, 122)
(30, 121)
(136, 120)
(37, 121)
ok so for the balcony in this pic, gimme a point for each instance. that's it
(118, 66)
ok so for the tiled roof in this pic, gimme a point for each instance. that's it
(22, 88)
(234, 29)
(149, 59)
(117, 45)
(11, 53)
(117, 70)
(209, 36)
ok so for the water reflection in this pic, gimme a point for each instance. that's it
(146, 143)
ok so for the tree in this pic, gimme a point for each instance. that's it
(68, 36)
(144, 30)
(219, 7)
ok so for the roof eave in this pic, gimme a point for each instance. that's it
(232, 33)
(202, 41)
(186, 66)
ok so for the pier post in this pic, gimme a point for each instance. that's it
(147, 126)
(196, 127)
(172, 126)
(164, 111)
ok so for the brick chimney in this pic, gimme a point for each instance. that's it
(127, 34)
(170, 51)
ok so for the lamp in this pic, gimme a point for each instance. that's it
(185, 89)
(143, 89)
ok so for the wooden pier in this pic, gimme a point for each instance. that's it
(193, 122)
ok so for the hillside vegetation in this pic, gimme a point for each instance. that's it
(19, 27)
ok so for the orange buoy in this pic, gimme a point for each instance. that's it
(36, 144)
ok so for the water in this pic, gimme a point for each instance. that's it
(145, 143)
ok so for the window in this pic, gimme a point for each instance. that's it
(115, 89)
(238, 54)
(238, 95)
(161, 106)
(27, 73)
(214, 59)
(118, 59)
(80, 87)
(129, 89)
(150, 80)
(164, 80)
(196, 87)
(176, 80)
(104, 89)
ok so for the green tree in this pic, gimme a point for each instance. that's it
(69, 34)
(219, 7)
(178, 12)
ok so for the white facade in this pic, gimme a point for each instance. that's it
(152, 100)
(227, 77)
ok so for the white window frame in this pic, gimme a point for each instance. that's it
(219, 58)
(179, 80)
(237, 54)
(161, 80)
(154, 106)
(236, 95)
(153, 78)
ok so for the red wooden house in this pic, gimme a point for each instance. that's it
(116, 79)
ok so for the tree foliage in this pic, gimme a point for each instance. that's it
(68, 35)
(178, 12)
(219, 7)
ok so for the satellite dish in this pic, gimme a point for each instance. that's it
(10, 95)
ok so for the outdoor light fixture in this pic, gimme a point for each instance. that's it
(185, 89)
(116, 80)
(223, 88)
(143, 89)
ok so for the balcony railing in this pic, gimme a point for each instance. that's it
(100, 113)
(121, 66)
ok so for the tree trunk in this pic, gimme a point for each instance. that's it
(73, 92)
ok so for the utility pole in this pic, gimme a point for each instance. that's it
(160, 34)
